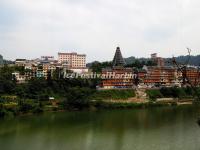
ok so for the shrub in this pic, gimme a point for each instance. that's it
(113, 94)
(25, 107)
(154, 94)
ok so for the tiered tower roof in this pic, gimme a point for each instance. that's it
(118, 59)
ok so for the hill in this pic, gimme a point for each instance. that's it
(132, 61)
(194, 60)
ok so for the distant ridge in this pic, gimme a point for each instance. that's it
(194, 60)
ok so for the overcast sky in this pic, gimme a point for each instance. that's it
(31, 28)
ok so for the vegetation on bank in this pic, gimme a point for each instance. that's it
(76, 98)
(171, 92)
(113, 94)
(33, 96)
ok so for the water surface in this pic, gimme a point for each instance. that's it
(140, 129)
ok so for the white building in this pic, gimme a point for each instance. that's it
(19, 78)
(76, 62)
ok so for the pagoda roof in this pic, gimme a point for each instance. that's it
(118, 60)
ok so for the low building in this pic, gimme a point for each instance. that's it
(20, 62)
(19, 78)
(79, 70)
(47, 58)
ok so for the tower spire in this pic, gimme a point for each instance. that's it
(118, 59)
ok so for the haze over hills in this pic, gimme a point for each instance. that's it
(194, 60)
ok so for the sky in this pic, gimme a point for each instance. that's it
(32, 28)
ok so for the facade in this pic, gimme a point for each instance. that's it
(75, 61)
(169, 76)
(191, 76)
(159, 75)
(40, 73)
(20, 78)
(120, 78)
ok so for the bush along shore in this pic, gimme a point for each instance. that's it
(82, 98)
(76, 98)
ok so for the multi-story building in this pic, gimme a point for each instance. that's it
(117, 77)
(169, 76)
(191, 75)
(159, 75)
(20, 78)
(76, 62)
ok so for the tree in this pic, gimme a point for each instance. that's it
(78, 98)
(97, 66)
(154, 94)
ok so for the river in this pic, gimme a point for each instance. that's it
(166, 128)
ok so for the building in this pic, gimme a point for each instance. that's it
(154, 56)
(76, 62)
(40, 73)
(191, 75)
(117, 77)
(158, 60)
(118, 59)
(47, 58)
(156, 75)
(20, 62)
(169, 76)
(20, 78)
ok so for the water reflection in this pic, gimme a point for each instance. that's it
(142, 129)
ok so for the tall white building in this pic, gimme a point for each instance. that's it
(74, 60)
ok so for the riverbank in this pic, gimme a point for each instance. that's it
(14, 109)
(79, 99)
